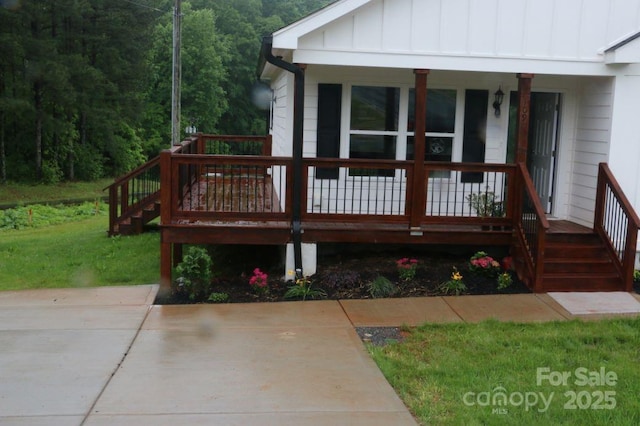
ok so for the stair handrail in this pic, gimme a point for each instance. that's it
(617, 223)
(121, 205)
(531, 234)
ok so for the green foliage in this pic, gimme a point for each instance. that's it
(455, 285)
(216, 297)
(636, 275)
(504, 280)
(485, 204)
(85, 92)
(194, 273)
(73, 80)
(37, 216)
(302, 289)
(407, 268)
(381, 287)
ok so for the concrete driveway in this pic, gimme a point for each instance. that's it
(107, 356)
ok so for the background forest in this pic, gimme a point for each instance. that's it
(85, 85)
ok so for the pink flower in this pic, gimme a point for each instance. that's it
(259, 278)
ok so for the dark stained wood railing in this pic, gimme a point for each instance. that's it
(234, 145)
(379, 190)
(133, 191)
(617, 223)
(202, 186)
(531, 226)
(209, 188)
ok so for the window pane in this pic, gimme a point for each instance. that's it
(374, 108)
(441, 110)
(373, 147)
(437, 149)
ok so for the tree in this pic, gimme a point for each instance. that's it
(70, 79)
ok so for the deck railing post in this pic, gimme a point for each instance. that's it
(600, 194)
(418, 195)
(630, 255)
(266, 146)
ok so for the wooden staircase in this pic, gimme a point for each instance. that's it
(578, 261)
(134, 199)
(141, 216)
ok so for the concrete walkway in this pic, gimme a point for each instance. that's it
(108, 356)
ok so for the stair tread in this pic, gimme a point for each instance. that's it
(580, 275)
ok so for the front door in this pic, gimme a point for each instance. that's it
(543, 131)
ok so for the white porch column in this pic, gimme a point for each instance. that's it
(309, 260)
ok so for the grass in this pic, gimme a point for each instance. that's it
(21, 193)
(445, 373)
(76, 254)
(68, 247)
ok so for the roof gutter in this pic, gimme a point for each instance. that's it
(298, 117)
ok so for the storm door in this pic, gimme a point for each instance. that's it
(541, 152)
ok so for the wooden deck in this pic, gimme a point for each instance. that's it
(207, 198)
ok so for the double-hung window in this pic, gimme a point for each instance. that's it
(440, 126)
(373, 131)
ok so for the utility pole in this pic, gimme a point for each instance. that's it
(177, 75)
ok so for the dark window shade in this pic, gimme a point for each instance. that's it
(328, 136)
(475, 131)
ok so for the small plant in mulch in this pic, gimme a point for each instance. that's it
(455, 285)
(381, 287)
(302, 289)
(504, 280)
(218, 297)
(258, 281)
(195, 274)
(482, 263)
(407, 268)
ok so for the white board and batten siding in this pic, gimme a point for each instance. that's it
(538, 36)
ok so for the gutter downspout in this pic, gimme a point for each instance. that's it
(298, 111)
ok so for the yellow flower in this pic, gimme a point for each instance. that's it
(456, 276)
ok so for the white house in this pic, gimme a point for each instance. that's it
(362, 59)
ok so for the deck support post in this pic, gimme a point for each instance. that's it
(166, 182)
(165, 268)
(524, 114)
(417, 187)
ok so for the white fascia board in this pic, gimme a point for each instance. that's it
(454, 63)
(287, 37)
(625, 50)
(627, 54)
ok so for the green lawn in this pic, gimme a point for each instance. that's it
(76, 254)
(20, 193)
(558, 373)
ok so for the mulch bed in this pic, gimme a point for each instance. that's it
(344, 272)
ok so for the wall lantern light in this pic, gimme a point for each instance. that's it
(497, 102)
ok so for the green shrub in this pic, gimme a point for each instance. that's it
(195, 273)
(216, 297)
(381, 287)
(504, 280)
(302, 290)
